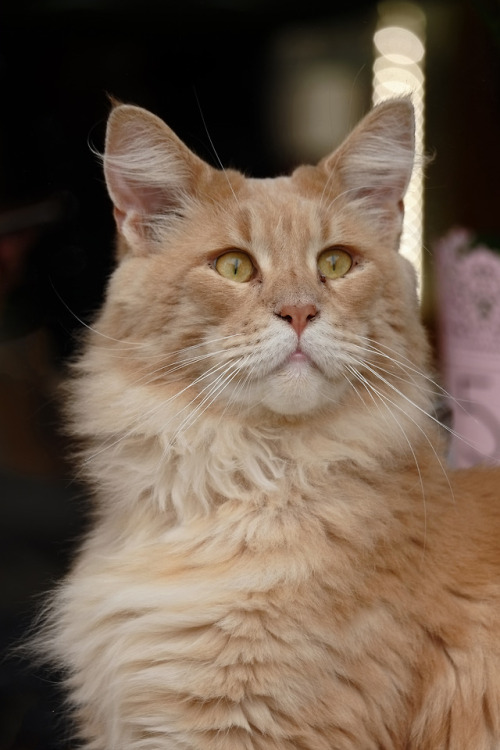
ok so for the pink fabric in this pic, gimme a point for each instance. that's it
(468, 297)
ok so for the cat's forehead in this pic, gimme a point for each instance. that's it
(278, 192)
(275, 212)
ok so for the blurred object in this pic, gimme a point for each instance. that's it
(21, 229)
(468, 302)
(318, 89)
(28, 373)
(38, 513)
(28, 381)
(398, 70)
(13, 251)
(39, 214)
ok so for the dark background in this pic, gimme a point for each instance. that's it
(207, 68)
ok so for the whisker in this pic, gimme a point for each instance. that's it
(401, 362)
(409, 400)
(153, 411)
(208, 390)
(384, 397)
(408, 369)
(177, 352)
(365, 383)
(210, 398)
(219, 162)
(205, 343)
(371, 391)
(240, 387)
(213, 390)
(409, 377)
(168, 369)
(132, 344)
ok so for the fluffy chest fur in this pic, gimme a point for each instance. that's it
(287, 622)
(278, 558)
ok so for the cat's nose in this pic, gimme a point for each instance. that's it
(298, 315)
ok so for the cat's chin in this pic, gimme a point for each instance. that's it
(298, 388)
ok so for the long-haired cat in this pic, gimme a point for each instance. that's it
(279, 558)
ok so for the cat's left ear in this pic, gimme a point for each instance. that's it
(150, 173)
(374, 164)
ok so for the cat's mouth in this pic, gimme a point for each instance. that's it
(298, 356)
(294, 386)
(299, 363)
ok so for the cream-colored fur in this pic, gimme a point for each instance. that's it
(279, 558)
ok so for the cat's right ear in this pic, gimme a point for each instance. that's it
(150, 174)
(374, 164)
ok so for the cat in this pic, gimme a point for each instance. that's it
(279, 557)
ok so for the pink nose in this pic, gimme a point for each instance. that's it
(298, 315)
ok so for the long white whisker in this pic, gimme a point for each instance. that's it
(405, 364)
(215, 151)
(409, 377)
(205, 343)
(132, 344)
(154, 410)
(406, 368)
(365, 383)
(221, 386)
(168, 369)
(208, 390)
(377, 370)
(371, 391)
(214, 389)
(388, 400)
(160, 356)
(409, 400)
(240, 387)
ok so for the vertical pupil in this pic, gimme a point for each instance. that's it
(236, 264)
(333, 261)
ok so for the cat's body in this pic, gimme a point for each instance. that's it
(279, 558)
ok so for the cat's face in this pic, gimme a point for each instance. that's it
(260, 294)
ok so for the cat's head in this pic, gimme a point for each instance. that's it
(251, 296)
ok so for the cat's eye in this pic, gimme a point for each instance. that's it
(235, 265)
(334, 263)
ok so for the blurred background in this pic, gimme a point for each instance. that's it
(270, 83)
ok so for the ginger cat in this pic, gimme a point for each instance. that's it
(279, 558)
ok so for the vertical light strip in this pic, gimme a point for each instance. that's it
(399, 42)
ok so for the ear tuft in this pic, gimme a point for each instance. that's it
(150, 174)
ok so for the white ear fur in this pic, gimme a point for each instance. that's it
(150, 174)
(375, 162)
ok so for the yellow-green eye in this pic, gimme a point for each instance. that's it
(235, 265)
(334, 263)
